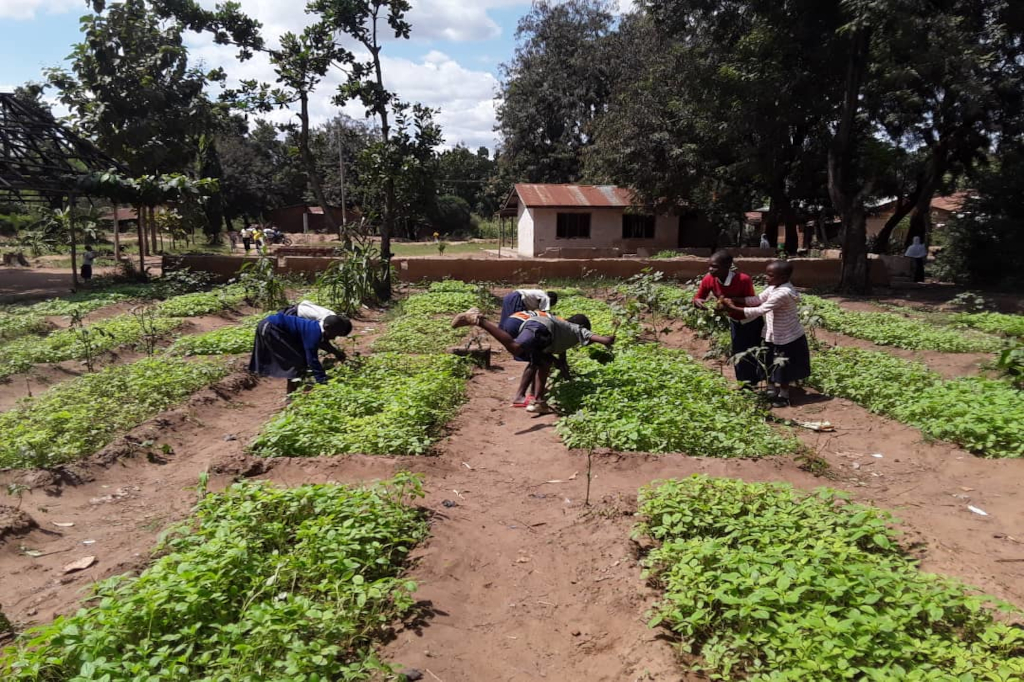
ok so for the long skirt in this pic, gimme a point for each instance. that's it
(275, 353)
(745, 337)
(919, 269)
(797, 363)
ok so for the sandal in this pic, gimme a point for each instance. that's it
(523, 403)
(780, 401)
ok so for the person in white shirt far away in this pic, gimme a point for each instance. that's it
(789, 357)
(919, 252)
(88, 256)
(765, 244)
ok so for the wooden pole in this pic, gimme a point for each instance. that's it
(74, 254)
(117, 236)
(152, 229)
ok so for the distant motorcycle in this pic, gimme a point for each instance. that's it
(277, 237)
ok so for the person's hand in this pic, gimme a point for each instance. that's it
(700, 303)
(611, 340)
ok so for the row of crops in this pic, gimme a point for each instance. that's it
(144, 325)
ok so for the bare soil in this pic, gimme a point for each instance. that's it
(520, 579)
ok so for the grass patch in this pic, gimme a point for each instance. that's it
(766, 583)
(78, 417)
(264, 583)
(430, 248)
(890, 329)
(203, 302)
(386, 404)
(984, 416)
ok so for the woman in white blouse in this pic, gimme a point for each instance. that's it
(789, 356)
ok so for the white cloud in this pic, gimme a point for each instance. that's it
(26, 9)
(464, 96)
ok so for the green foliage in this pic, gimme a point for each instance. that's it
(888, 329)
(224, 341)
(654, 399)
(14, 325)
(387, 404)
(766, 583)
(105, 335)
(984, 416)
(424, 324)
(359, 278)
(203, 303)
(263, 288)
(265, 583)
(77, 417)
(1011, 363)
(993, 323)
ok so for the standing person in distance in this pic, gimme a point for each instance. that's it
(247, 238)
(257, 238)
(287, 346)
(919, 253)
(783, 333)
(722, 282)
(88, 256)
(765, 244)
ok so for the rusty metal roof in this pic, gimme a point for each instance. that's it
(574, 196)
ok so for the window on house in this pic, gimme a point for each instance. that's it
(635, 226)
(573, 226)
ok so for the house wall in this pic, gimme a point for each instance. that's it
(605, 234)
(524, 230)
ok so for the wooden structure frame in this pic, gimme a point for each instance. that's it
(43, 161)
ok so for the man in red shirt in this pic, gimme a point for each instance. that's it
(724, 282)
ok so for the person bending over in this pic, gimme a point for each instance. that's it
(789, 357)
(527, 299)
(311, 311)
(286, 346)
(537, 339)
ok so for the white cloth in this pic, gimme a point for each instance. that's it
(779, 305)
(88, 257)
(917, 249)
(535, 299)
(312, 311)
(764, 242)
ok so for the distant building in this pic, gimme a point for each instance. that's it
(942, 211)
(596, 221)
(307, 218)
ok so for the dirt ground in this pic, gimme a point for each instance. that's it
(520, 579)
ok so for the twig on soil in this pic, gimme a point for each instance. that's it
(433, 675)
(1007, 561)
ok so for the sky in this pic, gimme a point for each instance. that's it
(452, 61)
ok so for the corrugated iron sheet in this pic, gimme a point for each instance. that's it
(574, 196)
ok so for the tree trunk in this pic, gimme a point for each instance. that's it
(74, 254)
(903, 207)
(307, 160)
(140, 214)
(117, 237)
(848, 201)
(151, 219)
(792, 237)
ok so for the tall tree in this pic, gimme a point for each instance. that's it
(555, 87)
(465, 174)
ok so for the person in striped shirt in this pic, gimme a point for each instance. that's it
(789, 356)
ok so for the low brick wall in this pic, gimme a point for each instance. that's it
(808, 272)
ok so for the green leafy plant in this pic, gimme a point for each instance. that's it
(766, 583)
(1011, 363)
(202, 303)
(423, 322)
(654, 399)
(264, 583)
(889, 329)
(992, 323)
(984, 416)
(224, 341)
(77, 417)
(385, 404)
(263, 288)
(358, 278)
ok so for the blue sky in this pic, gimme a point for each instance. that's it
(452, 61)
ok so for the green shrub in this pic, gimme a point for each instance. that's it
(982, 415)
(888, 329)
(264, 584)
(424, 321)
(387, 404)
(75, 418)
(202, 303)
(13, 326)
(765, 583)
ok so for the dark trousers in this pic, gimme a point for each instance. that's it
(919, 269)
